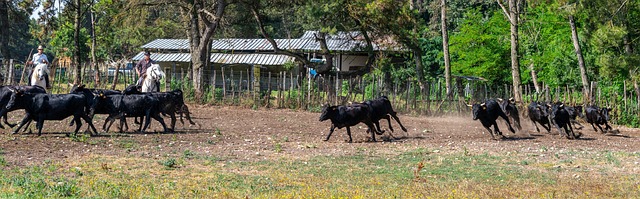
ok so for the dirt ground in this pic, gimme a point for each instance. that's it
(238, 134)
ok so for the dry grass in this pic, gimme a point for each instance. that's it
(414, 174)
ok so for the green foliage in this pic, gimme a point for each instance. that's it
(481, 48)
(63, 43)
(169, 163)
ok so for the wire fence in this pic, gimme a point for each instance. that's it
(297, 90)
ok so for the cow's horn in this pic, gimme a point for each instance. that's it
(483, 104)
(469, 105)
(500, 99)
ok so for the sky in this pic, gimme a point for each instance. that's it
(35, 15)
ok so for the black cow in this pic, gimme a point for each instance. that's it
(5, 96)
(511, 110)
(380, 108)
(562, 120)
(41, 107)
(347, 116)
(122, 106)
(598, 116)
(487, 113)
(574, 113)
(170, 103)
(539, 112)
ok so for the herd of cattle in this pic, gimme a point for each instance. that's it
(546, 114)
(557, 114)
(83, 103)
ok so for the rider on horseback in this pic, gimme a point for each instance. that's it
(38, 58)
(141, 68)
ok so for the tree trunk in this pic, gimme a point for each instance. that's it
(4, 23)
(534, 77)
(200, 31)
(515, 65)
(76, 43)
(115, 76)
(96, 71)
(445, 48)
(417, 56)
(583, 70)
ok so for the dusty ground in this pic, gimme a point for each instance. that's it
(237, 134)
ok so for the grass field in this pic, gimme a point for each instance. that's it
(417, 173)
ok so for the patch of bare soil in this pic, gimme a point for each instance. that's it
(238, 134)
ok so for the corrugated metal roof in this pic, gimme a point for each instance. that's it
(341, 41)
(257, 59)
(168, 44)
(256, 44)
(340, 35)
(222, 58)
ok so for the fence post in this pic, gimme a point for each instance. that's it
(10, 75)
(224, 85)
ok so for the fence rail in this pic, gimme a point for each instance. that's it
(299, 91)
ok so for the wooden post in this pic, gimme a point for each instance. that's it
(624, 90)
(213, 86)
(224, 85)
(10, 78)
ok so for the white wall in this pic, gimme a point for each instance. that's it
(348, 61)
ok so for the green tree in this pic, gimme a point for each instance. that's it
(480, 48)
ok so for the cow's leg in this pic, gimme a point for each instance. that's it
(607, 127)
(333, 127)
(7, 122)
(600, 127)
(159, 119)
(89, 121)
(561, 132)
(110, 119)
(594, 127)
(185, 110)
(501, 114)
(147, 121)
(349, 133)
(26, 119)
(376, 126)
(579, 126)
(547, 127)
(27, 127)
(76, 119)
(388, 121)
(39, 125)
(371, 128)
(536, 125)
(570, 129)
(497, 130)
(516, 120)
(395, 117)
(490, 132)
(173, 121)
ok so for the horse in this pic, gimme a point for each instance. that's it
(152, 80)
(37, 78)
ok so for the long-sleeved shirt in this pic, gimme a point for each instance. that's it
(39, 58)
(143, 65)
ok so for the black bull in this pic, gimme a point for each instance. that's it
(347, 116)
(487, 113)
(41, 107)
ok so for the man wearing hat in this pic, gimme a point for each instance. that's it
(141, 67)
(40, 57)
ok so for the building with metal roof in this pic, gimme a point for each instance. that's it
(222, 58)
(235, 55)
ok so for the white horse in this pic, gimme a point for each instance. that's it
(154, 75)
(37, 78)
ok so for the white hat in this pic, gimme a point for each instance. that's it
(40, 47)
